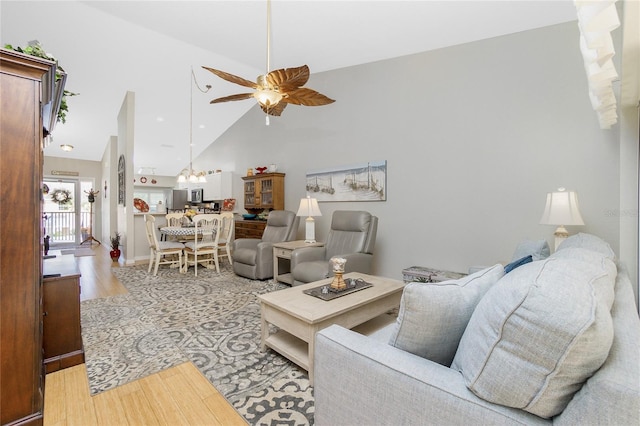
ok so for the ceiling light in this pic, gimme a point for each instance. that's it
(190, 175)
(66, 147)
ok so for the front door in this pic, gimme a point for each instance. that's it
(67, 211)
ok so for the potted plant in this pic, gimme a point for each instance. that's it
(115, 247)
(35, 49)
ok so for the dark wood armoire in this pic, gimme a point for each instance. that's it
(26, 90)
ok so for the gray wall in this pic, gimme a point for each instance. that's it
(475, 136)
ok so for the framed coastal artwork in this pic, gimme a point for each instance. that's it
(355, 182)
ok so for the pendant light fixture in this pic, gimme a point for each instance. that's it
(189, 175)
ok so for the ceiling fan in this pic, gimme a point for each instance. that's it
(275, 89)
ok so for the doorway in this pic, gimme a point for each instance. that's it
(66, 211)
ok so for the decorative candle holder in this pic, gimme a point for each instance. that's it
(337, 263)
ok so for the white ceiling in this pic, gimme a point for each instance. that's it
(148, 47)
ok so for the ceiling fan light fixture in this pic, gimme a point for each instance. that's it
(268, 97)
(275, 89)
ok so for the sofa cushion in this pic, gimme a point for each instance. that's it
(433, 316)
(536, 336)
(589, 242)
(538, 249)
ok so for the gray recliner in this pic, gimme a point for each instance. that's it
(352, 236)
(252, 257)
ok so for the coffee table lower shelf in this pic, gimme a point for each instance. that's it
(297, 350)
(292, 348)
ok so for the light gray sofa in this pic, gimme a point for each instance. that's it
(581, 366)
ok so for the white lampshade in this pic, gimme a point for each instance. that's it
(309, 207)
(561, 209)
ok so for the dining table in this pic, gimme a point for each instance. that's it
(178, 231)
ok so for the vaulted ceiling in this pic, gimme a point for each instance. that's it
(148, 47)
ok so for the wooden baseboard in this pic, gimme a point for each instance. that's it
(63, 361)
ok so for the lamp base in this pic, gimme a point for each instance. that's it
(561, 234)
(310, 230)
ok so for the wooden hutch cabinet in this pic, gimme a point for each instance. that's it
(249, 228)
(264, 191)
(26, 85)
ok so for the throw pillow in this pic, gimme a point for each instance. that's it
(538, 250)
(433, 316)
(513, 265)
(536, 337)
(589, 242)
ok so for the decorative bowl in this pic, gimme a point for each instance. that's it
(249, 216)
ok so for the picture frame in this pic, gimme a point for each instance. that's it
(365, 181)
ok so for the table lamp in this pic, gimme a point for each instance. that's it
(561, 209)
(309, 207)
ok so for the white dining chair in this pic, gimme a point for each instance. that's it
(161, 252)
(173, 219)
(204, 247)
(227, 231)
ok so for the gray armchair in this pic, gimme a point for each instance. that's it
(352, 236)
(253, 258)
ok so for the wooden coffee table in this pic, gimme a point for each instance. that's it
(299, 316)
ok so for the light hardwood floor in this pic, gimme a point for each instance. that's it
(178, 396)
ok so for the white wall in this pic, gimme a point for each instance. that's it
(110, 195)
(474, 135)
(125, 141)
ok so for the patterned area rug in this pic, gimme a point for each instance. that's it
(213, 321)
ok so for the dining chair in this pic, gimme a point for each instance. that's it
(226, 235)
(173, 219)
(205, 243)
(161, 252)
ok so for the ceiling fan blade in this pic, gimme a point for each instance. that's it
(306, 97)
(232, 78)
(238, 97)
(275, 109)
(289, 78)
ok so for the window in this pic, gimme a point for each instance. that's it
(152, 197)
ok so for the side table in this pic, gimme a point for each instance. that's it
(282, 259)
(428, 275)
